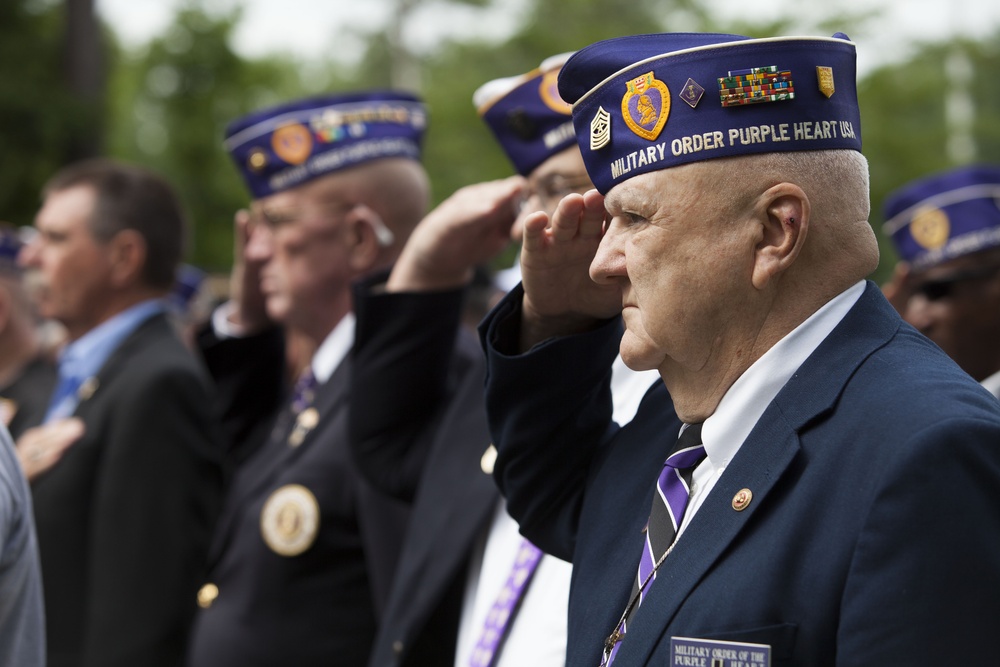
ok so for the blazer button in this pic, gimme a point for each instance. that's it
(397, 647)
(207, 595)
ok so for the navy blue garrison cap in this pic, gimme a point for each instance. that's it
(282, 147)
(649, 102)
(529, 119)
(944, 216)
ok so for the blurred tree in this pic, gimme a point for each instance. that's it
(905, 132)
(171, 103)
(45, 120)
(83, 63)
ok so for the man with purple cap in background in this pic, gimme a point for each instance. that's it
(946, 230)
(27, 369)
(470, 591)
(303, 555)
(795, 521)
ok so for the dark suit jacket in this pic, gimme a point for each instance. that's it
(872, 535)
(418, 430)
(30, 393)
(124, 519)
(320, 606)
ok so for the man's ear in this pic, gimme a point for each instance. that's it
(127, 253)
(367, 237)
(784, 216)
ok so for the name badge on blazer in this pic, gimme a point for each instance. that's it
(715, 653)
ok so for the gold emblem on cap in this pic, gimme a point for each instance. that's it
(930, 227)
(292, 143)
(644, 90)
(207, 595)
(257, 160)
(600, 129)
(87, 389)
(548, 90)
(304, 423)
(289, 521)
(825, 77)
(489, 459)
(742, 499)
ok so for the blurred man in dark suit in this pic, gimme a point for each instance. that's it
(124, 517)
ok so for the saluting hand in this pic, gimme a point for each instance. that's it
(467, 229)
(560, 298)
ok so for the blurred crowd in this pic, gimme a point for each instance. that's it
(682, 428)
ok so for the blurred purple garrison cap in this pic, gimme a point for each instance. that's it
(281, 147)
(11, 242)
(649, 102)
(187, 282)
(946, 215)
(527, 116)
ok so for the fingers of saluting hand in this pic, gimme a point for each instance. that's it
(578, 216)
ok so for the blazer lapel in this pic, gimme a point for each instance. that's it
(275, 455)
(155, 326)
(760, 463)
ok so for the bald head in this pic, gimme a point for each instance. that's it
(840, 247)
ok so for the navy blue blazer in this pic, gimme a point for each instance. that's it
(319, 602)
(873, 532)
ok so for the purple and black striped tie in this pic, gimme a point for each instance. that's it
(673, 489)
(304, 390)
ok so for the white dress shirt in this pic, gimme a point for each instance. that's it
(741, 407)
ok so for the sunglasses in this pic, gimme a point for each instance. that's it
(941, 288)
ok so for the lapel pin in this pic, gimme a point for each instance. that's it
(304, 423)
(88, 388)
(742, 499)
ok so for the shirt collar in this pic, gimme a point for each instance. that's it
(333, 349)
(992, 383)
(86, 355)
(742, 405)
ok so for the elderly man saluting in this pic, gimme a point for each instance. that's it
(832, 463)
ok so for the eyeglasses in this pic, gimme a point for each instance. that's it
(272, 218)
(941, 288)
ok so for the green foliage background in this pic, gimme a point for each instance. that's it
(167, 103)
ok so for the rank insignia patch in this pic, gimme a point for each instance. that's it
(824, 75)
(646, 106)
(600, 129)
(290, 520)
(756, 85)
(692, 93)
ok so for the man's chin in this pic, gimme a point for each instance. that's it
(638, 357)
(276, 310)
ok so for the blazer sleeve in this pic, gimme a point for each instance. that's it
(156, 499)
(249, 378)
(550, 413)
(405, 366)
